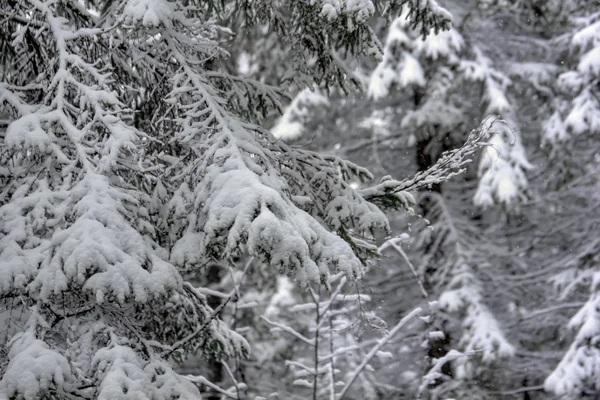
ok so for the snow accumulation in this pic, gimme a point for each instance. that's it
(33, 368)
(398, 66)
(443, 44)
(102, 252)
(579, 369)
(360, 10)
(291, 124)
(149, 12)
(27, 132)
(124, 375)
(481, 330)
(583, 113)
(501, 169)
(504, 162)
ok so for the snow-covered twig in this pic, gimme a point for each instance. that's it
(199, 379)
(289, 330)
(435, 371)
(382, 342)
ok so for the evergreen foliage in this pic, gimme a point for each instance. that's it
(185, 210)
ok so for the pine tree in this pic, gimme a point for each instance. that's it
(132, 160)
(437, 70)
(568, 134)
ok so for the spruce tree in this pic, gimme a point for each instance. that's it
(131, 159)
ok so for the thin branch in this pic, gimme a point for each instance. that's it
(382, 342)
(203, 381)
(235, 382)
(289, 330)
(213, 316)
(316, 339)
(410, 264)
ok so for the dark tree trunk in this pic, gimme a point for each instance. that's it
(215, 369)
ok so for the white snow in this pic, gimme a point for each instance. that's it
(361, 10)
(587, 37)
(590, 63)
(398, 66)
(481, 331)
(124, 375)
(501, 170)
(27, 132)
(291, 124)
(579, 369)
(585, 113)
(149, 12)
(442, 44)
(504, 162)
(33, 368)
(101, 252)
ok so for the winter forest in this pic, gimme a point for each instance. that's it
(299, 199)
